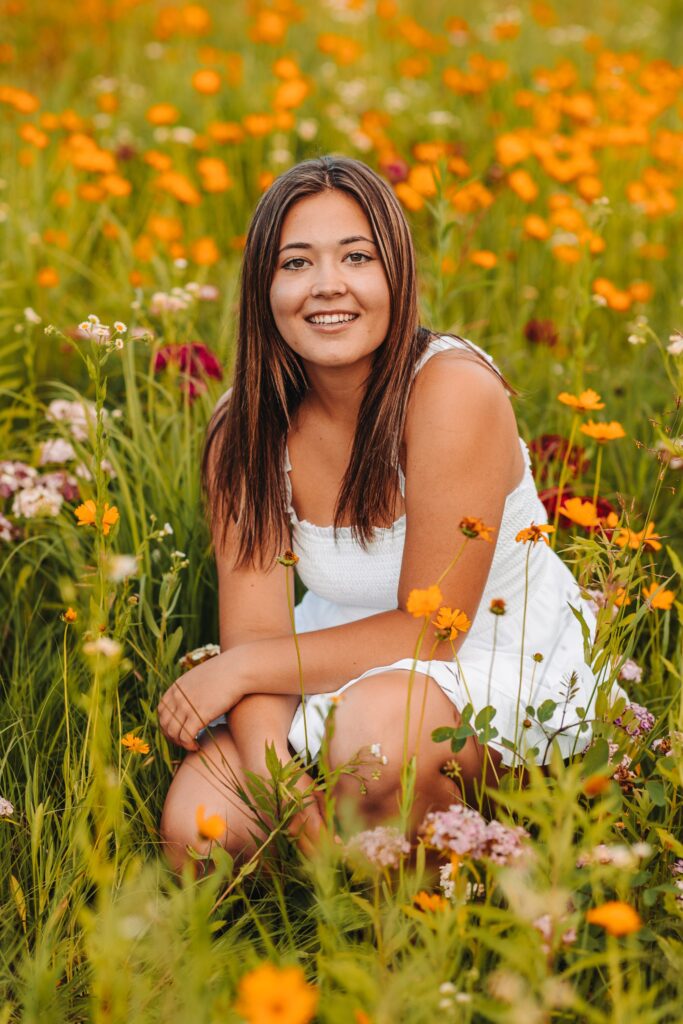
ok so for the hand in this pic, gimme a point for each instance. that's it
(199, 696)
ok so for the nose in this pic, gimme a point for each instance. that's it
(328, 280)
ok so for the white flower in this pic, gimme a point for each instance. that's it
(56, 449)
(8, 531)
(376, 751)
(120, 327)
(166, 530)
(120, 567)
(37, 501)
(6, 808)
(676, 346)
(103, 645)
(76, 415)
(15, 475)
(31, 316)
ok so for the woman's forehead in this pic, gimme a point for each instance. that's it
(327, 214)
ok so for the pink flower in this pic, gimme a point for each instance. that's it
(383, 846)
(464, 831)
(641, 723)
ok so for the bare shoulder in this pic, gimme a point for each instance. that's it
(458, 388)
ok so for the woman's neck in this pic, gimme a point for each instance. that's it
(337, 393)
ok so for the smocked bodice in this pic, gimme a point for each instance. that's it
(337, 569)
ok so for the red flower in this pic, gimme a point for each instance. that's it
(541, 332)
(194, 361)
(549, 449)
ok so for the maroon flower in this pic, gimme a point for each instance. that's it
(394, 170)
(194, 362)
(541, 332)
(550, 449)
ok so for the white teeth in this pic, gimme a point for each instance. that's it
(332, 318)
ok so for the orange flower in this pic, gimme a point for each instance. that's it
(473, 527)
(204, 252)
(70, 615)
(534, 533)
(47, 277)
(424, 602)
(536, 227)
(497, 606)
(484, 258)
(291, 94)
(134, 744)
(212, 827)
(179, 186)
(647, 537)
(430, 901)
(206, 81)
(162, 114)
(587, 400)
(602, 432)
(450, 622)
(523, 184)
(659, 598)
(273, 995)
(87, 515)
(595, 785)
(584, 513)
(411, 199)
(615, 917)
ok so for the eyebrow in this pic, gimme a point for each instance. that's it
(342, 241)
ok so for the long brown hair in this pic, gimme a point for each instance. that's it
(243, 470)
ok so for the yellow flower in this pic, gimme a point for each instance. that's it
(87, 515)
(602, 432)
(450, 622)
(430, 901)
(582, 512)
(134, 744)
(472, 527)
(214, 827)
(424, 602)
(272, 995)
(615, 917)
(647, 537)
(658, 597)
(534, 533)
(587, 400)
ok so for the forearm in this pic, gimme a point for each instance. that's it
(330, 657)
(258, 719)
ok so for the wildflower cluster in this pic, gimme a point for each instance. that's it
(463, 831)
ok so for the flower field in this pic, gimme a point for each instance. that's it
(537, 149)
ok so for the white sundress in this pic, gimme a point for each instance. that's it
(345, 583)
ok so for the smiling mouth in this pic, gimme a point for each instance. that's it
(328, 319)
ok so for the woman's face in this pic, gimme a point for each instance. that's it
(329, 294)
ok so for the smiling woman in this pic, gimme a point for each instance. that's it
(362, 440)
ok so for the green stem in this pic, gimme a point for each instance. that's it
(598, 469)
(563, 477)
(300, 668)
(521, 651)
(66, 703)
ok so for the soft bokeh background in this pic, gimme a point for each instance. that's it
(538, 151)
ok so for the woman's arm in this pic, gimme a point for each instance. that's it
(463, 458)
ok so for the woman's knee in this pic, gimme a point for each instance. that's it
(198, 784)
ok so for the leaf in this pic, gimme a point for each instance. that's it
(585, 632)
(656, 792)
(546, 710)
(19, 899)
(669, 842)
(596, 758)
(485, 716)
(444, 732)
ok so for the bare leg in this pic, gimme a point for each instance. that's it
(208, 777)
(266, 718)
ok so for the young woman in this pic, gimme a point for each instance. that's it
(362, 440)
